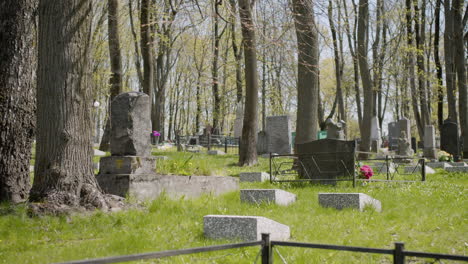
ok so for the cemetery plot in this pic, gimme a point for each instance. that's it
(395, 169)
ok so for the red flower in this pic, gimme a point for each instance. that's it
(366, 172)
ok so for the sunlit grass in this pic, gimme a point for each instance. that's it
(428, 216)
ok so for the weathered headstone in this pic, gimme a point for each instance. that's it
(326, 159)
(258, 196)
(393, 134)
(376, 139)
(262, 143)
(405, 126)
(449, 139)
(430, 151)
(278, 129)
(239, 121)
(404, 146)
(438, 165)
(348, 200)
(246, 228)
(254, 176)
(417, 169)
(334, 130)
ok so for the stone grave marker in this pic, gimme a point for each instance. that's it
(245, 228)
(334, 130)
(348, 200)
(258, 196)
(262, 143)
(457, 169)
(449, 139)
(376, 139)
(254, 176)
(417, 169)
(278, 129)
(430, 151)
(239, 121)
(393, 135)
(438, 165)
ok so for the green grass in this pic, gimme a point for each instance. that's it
(428, 216)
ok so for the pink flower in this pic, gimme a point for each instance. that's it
(156, 133)
(366, 172)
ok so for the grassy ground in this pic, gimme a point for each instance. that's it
(428, 216)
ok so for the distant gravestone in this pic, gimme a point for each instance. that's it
(449, 139)
(430, 151)
(278, 129)
(258, 196)
(348, 200)
(393, 134)
(327, 159)
(262, 143)
(239, 121)
(254, 176)
(131, 125)
(376, 139)
(405, 126)
(404, 146)
(334, 130)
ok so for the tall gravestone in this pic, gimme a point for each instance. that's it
(262, 142)
(239, 121)
(375, 134)
(449, 139)
(405, 126)
(130, 143)
(429, 142)
(393, 135)
(278, 129)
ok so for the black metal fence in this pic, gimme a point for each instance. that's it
(399, 253)
(229, 145)
(334, 166)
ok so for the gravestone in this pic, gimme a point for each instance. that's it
(393, 134)
(254, 176)
(449, 139)
(430, 151)
(239, 121)
(258, 196)
(417, 169)
(328, 159)
(438, 165)
(278, 129)
(405, 125)
(262, 143)
(376, 139)
(463, 169)
(245, 228)
(404, 146)
(348, 200)
(334, 131)
(413, 144)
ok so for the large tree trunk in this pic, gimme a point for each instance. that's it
(363, 27)
(17, 97)
(440, 90)
(146, 50)
(307, 71)
(237, 53)
(214, 69)
(115, 57)
(248, 151)
(450, 73)
(63, 173)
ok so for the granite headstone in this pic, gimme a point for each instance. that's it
(449, 139)
(278, 129)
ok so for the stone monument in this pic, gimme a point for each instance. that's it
(335, 130)
(430, 151)
(239, 121)
(278, 129)
(393, 134)
(449, 139)
(404, 145)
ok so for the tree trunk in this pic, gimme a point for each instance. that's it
(237, 53)
(135, 43)
(115, 56)
(146, 50)
(363, 27)
(440, 90)
(17, 97)
(214, 69)
(449, 63)
(63, 173)
(248, 151)
(307, 71)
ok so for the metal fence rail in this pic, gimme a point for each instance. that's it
(229, 145)
(399, 253)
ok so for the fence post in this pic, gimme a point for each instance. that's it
(423, 169)
(388, 167)
(267, 252)
(398, 254)
(225, 145)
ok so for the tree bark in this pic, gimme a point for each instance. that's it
(440, 90)
(63, 173)
(17, 97)
(307, 71)
(449, 53)
(214, 69)
(248, 150)
(146, 50)
(115, 57)
(237, 53)
(363, 27)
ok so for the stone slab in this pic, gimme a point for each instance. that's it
(417, 169)
(216, 152)
(254, 176)
(438, 165)
(144, 187)
(457, 169)
(458, 164)
(258, 196)
(127, 165)
(245, 228)
(348, 200)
